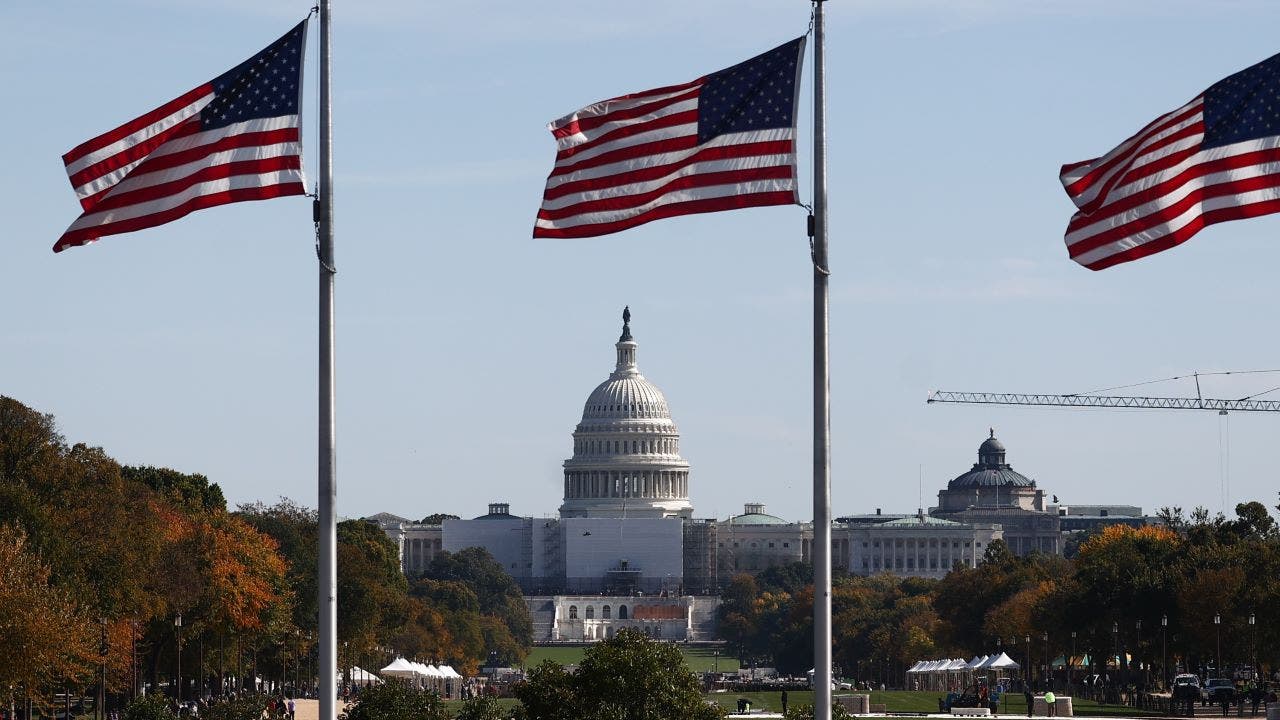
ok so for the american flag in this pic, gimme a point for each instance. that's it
(722, 142)
(232, 139)
(1214, 159)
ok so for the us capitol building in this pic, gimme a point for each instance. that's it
(627, 549)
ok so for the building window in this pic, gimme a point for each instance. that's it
(604, 612)
(770, 544)
(622, 612)
(573, 612)
(591, 612)
(786, 545)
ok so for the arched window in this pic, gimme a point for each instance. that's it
(573, 612)
(591, 612)
(622, 612)
(604, 612)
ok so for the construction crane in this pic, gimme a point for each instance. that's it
(1105, 401)
(1093, 400)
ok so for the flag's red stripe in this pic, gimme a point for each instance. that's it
(657, 147)
(625, 202)
(723, 152)
(204, 174)
(591, 122)
(259, 138)
(732, 202)
(647, 93)
(1239, 212)
(136, 124)
(666, 121)
(1167, 187)
(132, 153)
(164, 162)
(1086, 183)
(86, 235)
(1169, 212)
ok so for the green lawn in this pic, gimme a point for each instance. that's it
(698, 658)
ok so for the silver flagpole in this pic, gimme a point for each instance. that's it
(821, 391)
(327, 531)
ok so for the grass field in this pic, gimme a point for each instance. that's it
(697, 658)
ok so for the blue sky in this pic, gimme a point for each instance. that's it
(466, 349)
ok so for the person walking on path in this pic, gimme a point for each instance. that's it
(1031, 701)
(784, 702)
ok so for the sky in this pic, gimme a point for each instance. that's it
(465, 349)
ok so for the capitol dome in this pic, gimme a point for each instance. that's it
(626, 450)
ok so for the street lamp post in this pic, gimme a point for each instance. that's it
(1253, 647)
(1028, 669)
(1071, 663)
(177, 624)
(1115, 643)
(1217, 629)
(1137, 652)
(1048, 659)
(1164, 649)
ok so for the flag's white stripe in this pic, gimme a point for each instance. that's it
(703, 193)
(604, 107)
(668, 133)
(1171, 198)
(132, 139)
(1139, 155)
(1106, 220)
(639, 188)
(1174, 224)
(579, 138)
(256, 152)
(1123, 192)
(1124, 147)
(211, 136)
(622, 166)
(186, 143)
(238, 182)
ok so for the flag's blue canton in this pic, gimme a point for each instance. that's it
(266, 85)
(754, 95)
(1244, 106)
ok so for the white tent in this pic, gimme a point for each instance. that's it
(400, 668)
(1003, 662)
(360, 676)
(449, 672)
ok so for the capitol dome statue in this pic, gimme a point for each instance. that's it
(626, 450)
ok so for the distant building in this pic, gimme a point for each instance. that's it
(626, 528)
(993, 493)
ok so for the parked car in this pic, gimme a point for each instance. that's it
(1186, 687)
(1218, 689)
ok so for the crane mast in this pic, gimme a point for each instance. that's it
(1105, 401)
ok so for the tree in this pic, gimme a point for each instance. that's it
(371, 588)
(192, 490)
(437, 519)
(47, 639)
(482, 707)
(627, 677)
(396, 700)
(497, 592)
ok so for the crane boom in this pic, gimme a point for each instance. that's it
(1104, 401)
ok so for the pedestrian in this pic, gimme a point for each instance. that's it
(784, 702)
(1031, 701)
(292, 710)
(1049, 707)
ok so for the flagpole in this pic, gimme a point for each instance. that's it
(821, 390)
(327, 530)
